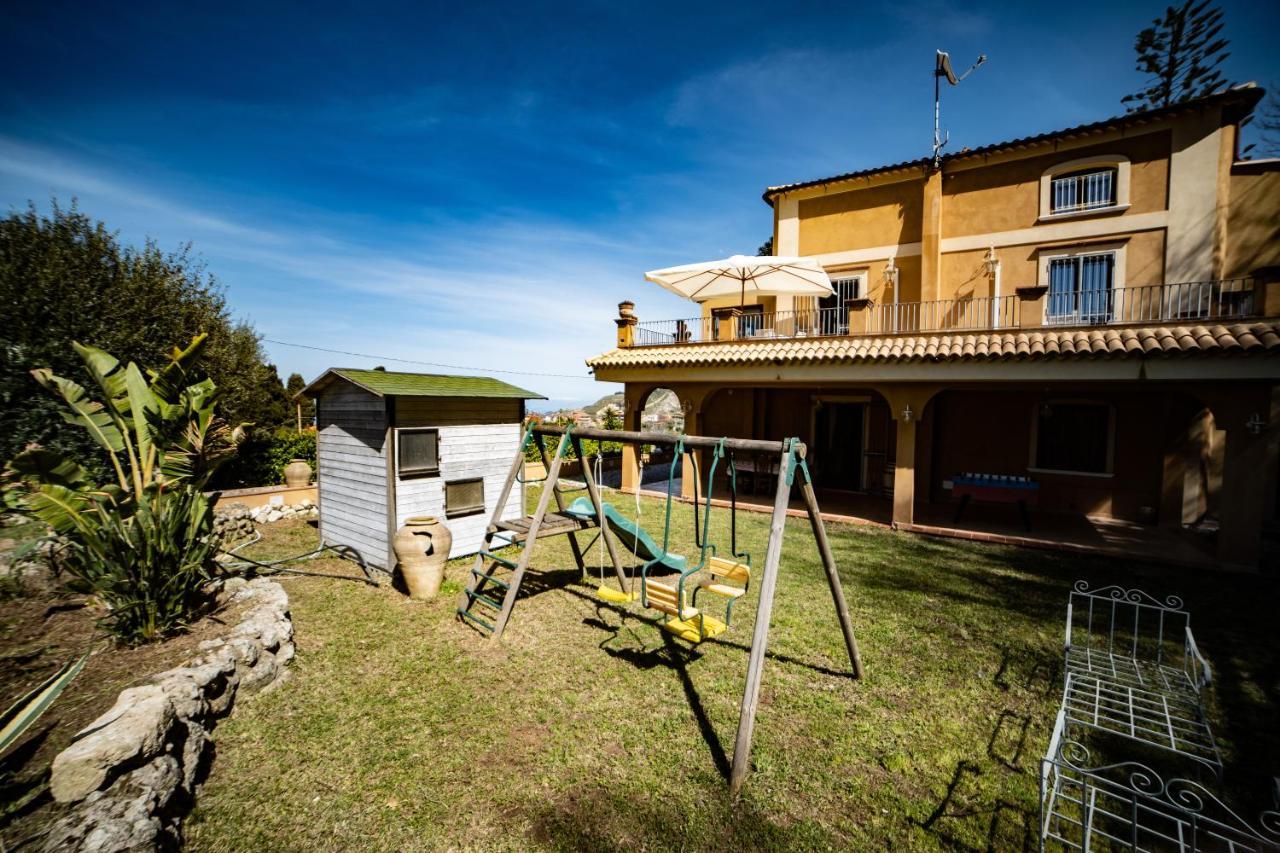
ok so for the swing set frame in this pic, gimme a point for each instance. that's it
(525, 531)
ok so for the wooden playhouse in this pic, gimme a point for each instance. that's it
(392, 445)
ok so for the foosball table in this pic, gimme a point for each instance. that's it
(996, 488)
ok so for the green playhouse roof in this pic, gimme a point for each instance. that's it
(388, 383)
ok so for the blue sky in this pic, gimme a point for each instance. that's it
(481, 184)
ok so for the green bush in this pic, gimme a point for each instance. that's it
(261, 459)
(144, 542)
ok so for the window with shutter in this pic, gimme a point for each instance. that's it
(417, 452)
(463, 497)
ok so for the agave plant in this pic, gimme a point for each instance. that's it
(143, 543)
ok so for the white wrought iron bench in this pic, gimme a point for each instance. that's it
(1133, 669)
(1089, 805)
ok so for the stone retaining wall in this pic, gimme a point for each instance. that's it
(131, 774)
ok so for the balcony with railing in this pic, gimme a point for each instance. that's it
(1229, 300)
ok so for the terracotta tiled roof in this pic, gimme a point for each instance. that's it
(1030, 345)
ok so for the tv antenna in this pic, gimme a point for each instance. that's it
(941, 69)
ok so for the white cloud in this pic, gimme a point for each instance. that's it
(506, 292)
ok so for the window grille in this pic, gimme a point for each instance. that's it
(1078, 191)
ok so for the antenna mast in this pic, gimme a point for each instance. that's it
(942, 68)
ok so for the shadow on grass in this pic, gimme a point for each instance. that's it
(1008, 826)
(1232, 615)
(615, 820)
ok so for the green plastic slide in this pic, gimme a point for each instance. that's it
(632, 536)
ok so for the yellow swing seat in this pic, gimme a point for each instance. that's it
(614, 596)
(722, 570)
(687, 623)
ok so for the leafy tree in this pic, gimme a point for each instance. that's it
(766, 248)
(64, 277)
(1180, 54)
(295, 385)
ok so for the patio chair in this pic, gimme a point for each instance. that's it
(1133, 669)
(1092, 804)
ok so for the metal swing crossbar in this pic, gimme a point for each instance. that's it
(492, 571)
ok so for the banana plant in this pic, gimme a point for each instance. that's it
(142, 542)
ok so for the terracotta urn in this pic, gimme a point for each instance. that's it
(297, 474)
(422, 548)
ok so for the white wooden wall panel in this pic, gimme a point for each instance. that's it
(351, 473)
(466, 452)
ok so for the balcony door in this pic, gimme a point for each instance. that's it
(1081, 289)
(833, 312)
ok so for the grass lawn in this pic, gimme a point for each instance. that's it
(589, 727)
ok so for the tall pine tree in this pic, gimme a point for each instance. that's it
(1180, 54)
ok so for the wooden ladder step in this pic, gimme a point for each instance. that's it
(481, 576)
(489, 555)
(471, 617)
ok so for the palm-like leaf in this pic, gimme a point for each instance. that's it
(49, 467)
(22, 714)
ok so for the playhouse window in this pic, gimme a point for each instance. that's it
(463, 497)
(418, 452)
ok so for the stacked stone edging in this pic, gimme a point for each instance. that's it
(131, 774)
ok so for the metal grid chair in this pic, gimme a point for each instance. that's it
(1128, 806)
(1133, 669)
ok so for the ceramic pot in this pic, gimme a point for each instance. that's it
(297, 474)
(422, 548)
(626, 309)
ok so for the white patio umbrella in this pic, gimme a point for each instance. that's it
(763, 275)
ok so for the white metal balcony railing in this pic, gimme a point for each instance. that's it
(1085, 191)
(1191, 301)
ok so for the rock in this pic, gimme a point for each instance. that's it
(124, 817)
(136, 727)
(276, 500)
(260, 675)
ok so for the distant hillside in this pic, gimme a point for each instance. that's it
(660, 401)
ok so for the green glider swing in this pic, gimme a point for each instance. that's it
(722, 577)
